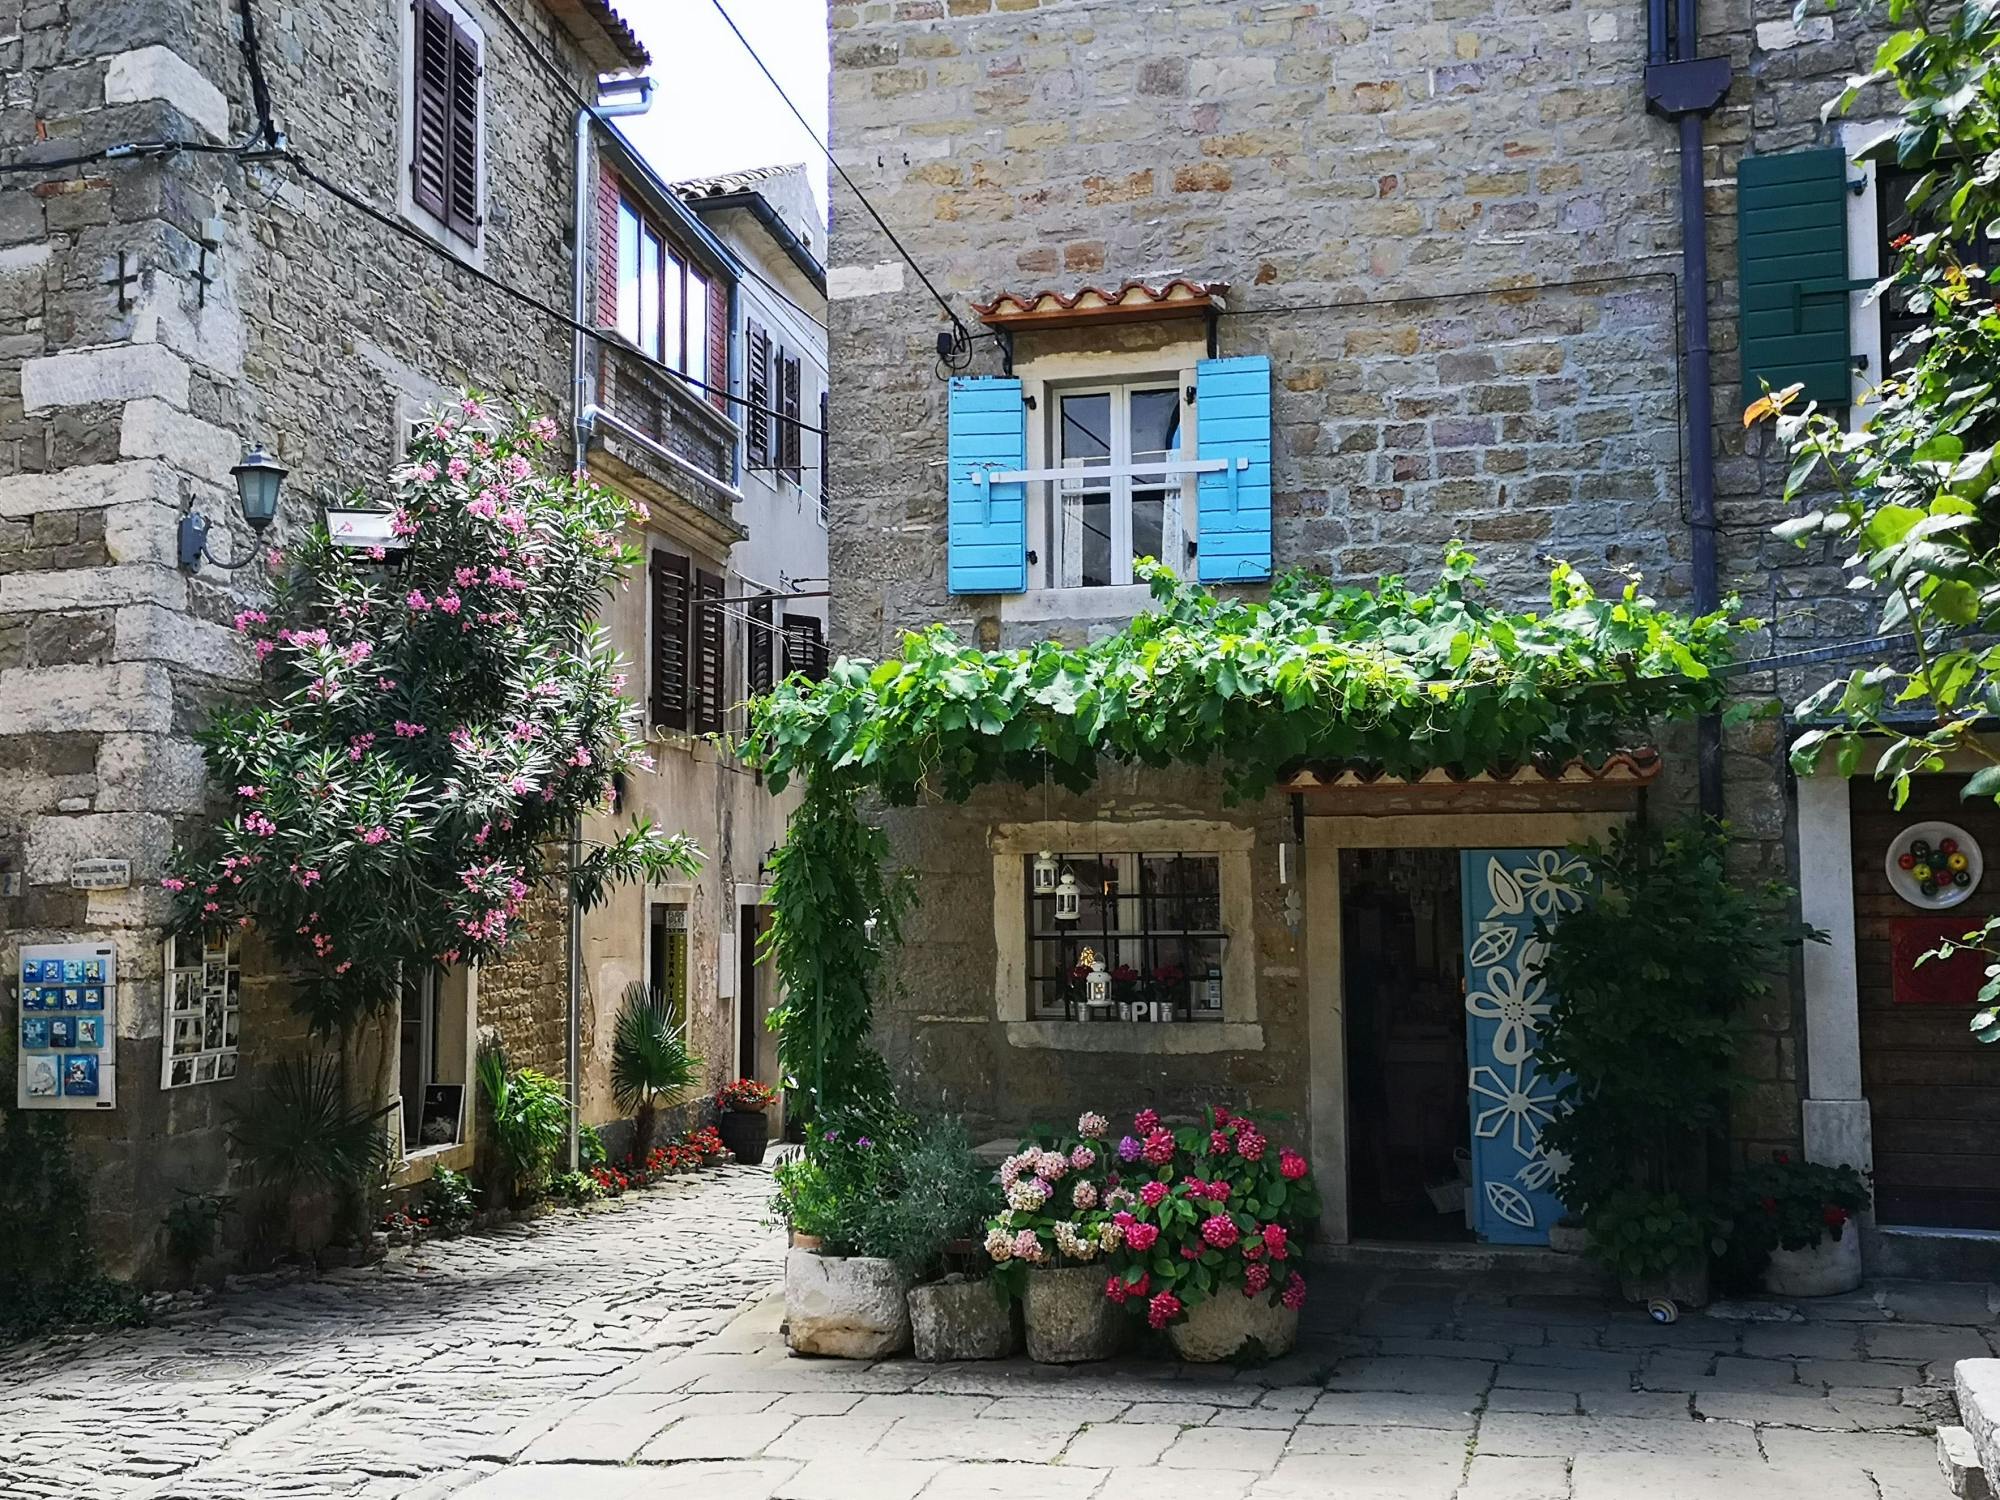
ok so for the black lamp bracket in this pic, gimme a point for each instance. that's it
(193, 545)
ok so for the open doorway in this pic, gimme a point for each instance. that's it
(1402, 947)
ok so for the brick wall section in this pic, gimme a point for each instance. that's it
(1339, 152)
(318, 335)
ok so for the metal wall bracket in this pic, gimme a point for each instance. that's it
(1694, 86)
(123, 282)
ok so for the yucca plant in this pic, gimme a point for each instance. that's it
(300, 1132)
(652, 1067)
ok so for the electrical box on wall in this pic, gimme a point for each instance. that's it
(67, 1027)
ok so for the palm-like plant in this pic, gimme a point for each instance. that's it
(299, 1131)
(651, 1065)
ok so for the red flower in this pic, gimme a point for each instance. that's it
(1162, 1310)
(1291, 1165)
(1769, 1204)
(1835, 1217)
(1221, 1117)
(1899, 242)
(1218, 1143)
(1783, 1158)
(1140, 1237)
(1114, 1289)
(1146, 1122)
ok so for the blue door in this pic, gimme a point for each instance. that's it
(1513, 1177)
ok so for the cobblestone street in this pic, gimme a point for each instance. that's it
(607, 1358)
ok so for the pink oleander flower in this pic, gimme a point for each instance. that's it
(1159, 1147)
(518, 467)
(264, 648)
(1146, 1122)
(1083, 1158)
(210, 906)
(1274, 1238)
(377, 554)
(449, 603)
(407, 731)
(544, 429)
(1250, 1146)
(1092, 1126)
(483, 506)
(581, 757)
(466, 577)
(1291, 1165)
(1141, 1237)
(1152, 1194)
(416, 600)
(246, 791)
(173, 883)
(248, 617)
(1162, 1310)
(1255, 1279)
(1219, 1230)
(375, 835)
(458, 468)
(1294, 1294)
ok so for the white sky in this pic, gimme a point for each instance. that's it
(714, 111)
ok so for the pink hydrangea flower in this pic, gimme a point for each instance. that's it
(1027, 1246)
(1114, 1289)
(1274, 1238)
(1141, 1237)
(1222, 1117)
(1152, 1193)
(1294, 1294)
(1083, 1158)
(1092, 1126)
(1159, 1147)
(1146, 1122)
(1162, 1310)
(1083, 1194)
(1250, 1145)
(1219, 1230)
(1052, 1165)
(1219, 1143)
(1255, 1279)
(1291, 1165)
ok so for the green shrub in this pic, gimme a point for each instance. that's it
(847, 1167)
(576, 1189)
(189, 1229)
(529, 1113)
(1639, 1234)
(590, 1147)
(938, 1191)
(450, 1199)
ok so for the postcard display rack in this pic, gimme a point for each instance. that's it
(68, 1027)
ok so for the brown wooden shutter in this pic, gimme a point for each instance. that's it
(758, 675)
(668, 576)
(757, 386)
(805, 648)
(462, 202)
(819, 448)
(711, 681)
(788, 404)
(609, 195)
(430, 114)
(718, 344)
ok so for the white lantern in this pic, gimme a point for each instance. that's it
(1045, 874)
(1069, 900)
(1097, 988)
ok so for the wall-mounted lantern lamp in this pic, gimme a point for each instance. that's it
(1045, 874)
(259, 477)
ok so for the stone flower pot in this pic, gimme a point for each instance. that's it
(1821, 1270)
(848, 1307)
(746, 1132)
(1568, 1239)
(1686, 1286)
(1068, 1317)
(1230, 1323)
(960, 1319)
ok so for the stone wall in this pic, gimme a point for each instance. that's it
(1455, 230)
(252, 307)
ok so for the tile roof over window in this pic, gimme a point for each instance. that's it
(611, 45)
(1621, 768)
(727, 184)
(1132, 301)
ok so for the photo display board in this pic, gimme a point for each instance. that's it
(68, 1027)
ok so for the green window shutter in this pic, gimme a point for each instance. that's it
(1791, 248)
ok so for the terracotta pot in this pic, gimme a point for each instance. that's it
(848, 1307)
(960, 1319)
(746, 1133)
(1229, 1324)
(1823, 1270)
(810, 1242)
(1068, 1317)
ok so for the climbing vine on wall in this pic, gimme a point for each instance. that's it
(1395, 678)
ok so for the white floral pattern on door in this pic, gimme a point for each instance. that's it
(1506, 1003)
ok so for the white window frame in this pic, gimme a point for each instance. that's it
(215, 1061)
(433, 227)
(1058, 562)
(1860, 139)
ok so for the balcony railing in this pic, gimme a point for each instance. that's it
(666, 413)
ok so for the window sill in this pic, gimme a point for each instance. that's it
(1119, 601)
(419, 1165)
(1173, 1039)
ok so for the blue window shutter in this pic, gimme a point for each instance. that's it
(1232, 406)
(1791, 250)
(988, 523)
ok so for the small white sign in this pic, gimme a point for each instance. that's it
(100, 874)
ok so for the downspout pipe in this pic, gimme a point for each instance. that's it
(1684, 87)
(615, 98)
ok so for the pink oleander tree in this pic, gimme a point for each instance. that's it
(434, 718)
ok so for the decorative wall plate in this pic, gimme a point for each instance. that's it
(1934, 866)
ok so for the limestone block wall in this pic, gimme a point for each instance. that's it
(1453, 227)
(156, 315)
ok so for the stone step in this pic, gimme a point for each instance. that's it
(1960, 1461)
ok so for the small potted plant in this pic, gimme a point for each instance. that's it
(843, 1296)
(1046, 1244)
(1658, 1245)
(942, 1194)
(1798, 1218)
(1206, 1219)
(742, 1119)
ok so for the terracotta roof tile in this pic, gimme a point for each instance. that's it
(1621, 768)
(1092, 304)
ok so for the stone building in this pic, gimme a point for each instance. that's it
(299, 242)
(1365, 279)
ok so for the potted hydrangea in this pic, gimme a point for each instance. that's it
(1204, 1223)
(741, 1119)
(1046, 1243)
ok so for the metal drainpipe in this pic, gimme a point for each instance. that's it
(630, 96)
(1683, 87)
